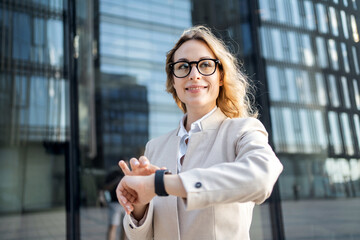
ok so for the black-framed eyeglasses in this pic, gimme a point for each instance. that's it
(205, 67)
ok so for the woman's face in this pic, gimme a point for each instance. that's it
(196, 91)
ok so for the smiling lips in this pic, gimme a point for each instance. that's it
(195, 89)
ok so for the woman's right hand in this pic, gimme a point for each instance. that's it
(141, 167)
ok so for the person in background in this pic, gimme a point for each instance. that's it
(115, 210)
(218, 161)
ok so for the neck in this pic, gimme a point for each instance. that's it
(193, 116)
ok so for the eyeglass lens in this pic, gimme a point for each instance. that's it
(205, 67)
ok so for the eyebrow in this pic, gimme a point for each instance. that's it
(185, 59)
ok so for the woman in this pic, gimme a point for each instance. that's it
(219, 155)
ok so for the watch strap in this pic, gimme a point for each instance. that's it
(159, 182)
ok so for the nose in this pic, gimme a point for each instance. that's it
(194, 73)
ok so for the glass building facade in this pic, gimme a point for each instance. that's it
(304, 59)
(34, 122)
(82, 85)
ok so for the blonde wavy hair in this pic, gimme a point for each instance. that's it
(235, 96)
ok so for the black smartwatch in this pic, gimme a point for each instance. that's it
(159, 182)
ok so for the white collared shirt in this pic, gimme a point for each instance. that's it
(195, 127)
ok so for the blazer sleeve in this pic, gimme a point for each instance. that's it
(144, 231)
(249, 177)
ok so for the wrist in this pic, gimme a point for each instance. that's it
(159, 183)
(139, 211)
(174, 186)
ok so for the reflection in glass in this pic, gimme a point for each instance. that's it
(288, 124)
(321, 51)
(21, 36)
(34, 131)
(285, 45)
(345, 57)
(309, 14)
(344, 24)
(333, 54)
(307, 132)
(303, 84)
(355, 58)
(321, 90)
(307, 50)
(357, 128)
(335, 137)
(295, 12)
(264, 10)
(349, 147)
(356, 93)
(293, 47)
(354, 29)
(291, 85)
(273, 78)
(55, 42)
(321, 18)
(280, 14)
(354, 4)
(346, 92)
(320, 130)
(333, 21)
(334, 97)
(276, 41)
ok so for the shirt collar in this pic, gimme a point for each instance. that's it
(195, 126)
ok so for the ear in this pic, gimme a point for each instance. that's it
(221, 83)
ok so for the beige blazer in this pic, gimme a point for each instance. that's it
(228, 167)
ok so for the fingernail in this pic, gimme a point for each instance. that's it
(122, 199)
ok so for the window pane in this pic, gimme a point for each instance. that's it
(334, 22)
(276, 41)
(345, 57)
(291, 84)
(354, 28)
(321, 49)
(334, 97)
(293, 47)
(308, 54)
(356, 62)
(357, 128)
(344, 24)
(321, 18)
(335, 137)
(356, 93)
(346, 92)
(349, 147)
(309, 13)
(322, 96)
(333, 54)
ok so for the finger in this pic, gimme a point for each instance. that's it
(134, 163)
(130, 197)
(123, 195)
(121, 199)
(144, 162)
(124, 167)
(126, 205)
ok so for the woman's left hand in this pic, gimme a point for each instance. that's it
(135, 191)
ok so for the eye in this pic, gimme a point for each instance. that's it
(206, 64)
(181, 66)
